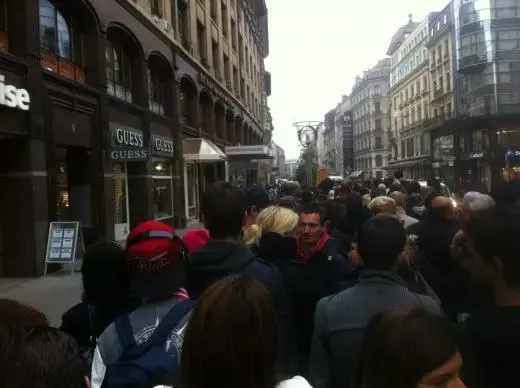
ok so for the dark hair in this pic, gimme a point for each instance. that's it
(42, 357)
(224, 208)
(307, 196)
(232, 340)
(21, 314)
(494, 233)
(400, 346)
(334, 212)
(396, 186)
(105, 274)
(354, 202)
(287, 202)
(398, 175)
(380, 241)
(313, 208)
(413, 187)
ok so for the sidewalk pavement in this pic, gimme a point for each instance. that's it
(52, 294)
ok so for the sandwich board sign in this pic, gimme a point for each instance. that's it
(65, 244)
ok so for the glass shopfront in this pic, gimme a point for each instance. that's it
(162, 188)
(120, 198)
(191, 187)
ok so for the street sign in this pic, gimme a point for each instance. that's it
(65, 244)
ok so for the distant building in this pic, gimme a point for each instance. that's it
(344, 136)
(279, 160)
(290, 168)
(371, 121)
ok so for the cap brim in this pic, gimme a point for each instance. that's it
(158, 285)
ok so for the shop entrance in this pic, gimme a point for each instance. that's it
(191, 190)
(120, 193)
(73, 187)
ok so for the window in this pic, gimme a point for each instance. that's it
(379, 161)
(162, 188)
(480, 141)
(224, 20)
(233, 35)
(215, 53)
(156, 91)
(213, 10)
(201, 42)
(54, 31)
(184, 29)
(119, 71)
(379, 143)
(227, 75)
(59, 51)
(157, 8)
(377, 107)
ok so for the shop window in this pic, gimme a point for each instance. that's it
(60, 51)
(119, 71)
(480, 141)
(156, 91)
(120, 200)
(509, 137)
(162, 188)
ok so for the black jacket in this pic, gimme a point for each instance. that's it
(490, 343)
(306, 283)
(415, 206)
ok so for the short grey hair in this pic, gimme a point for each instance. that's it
(382, 205)
(474, 201)
(399, 198)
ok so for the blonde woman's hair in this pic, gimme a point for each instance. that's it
(383, 205)
(274, 219)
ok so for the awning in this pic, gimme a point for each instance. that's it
(406, 163)
(249, 152)
(355, 174)
(201, 150)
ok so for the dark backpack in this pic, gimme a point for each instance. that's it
(148, 364)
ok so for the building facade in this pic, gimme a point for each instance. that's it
(344, 141)
(278, 165)
(371, 121)
(290, 168)
(410, 100)
(120, 111)
(483, 141)
(331, 156)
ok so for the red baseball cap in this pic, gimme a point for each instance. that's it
(156, 260)
(195, 239)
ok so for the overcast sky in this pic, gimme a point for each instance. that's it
(317, 47)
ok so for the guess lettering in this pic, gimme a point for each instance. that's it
(13, 97)
(165, 146)
(129, 138)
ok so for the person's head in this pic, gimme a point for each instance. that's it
(195, 239)
(413, 187)
(399, 198)
(105, 274)
(21, 314)
(341, 193)
(233, 337)
(224, 208)
(287, 202)
(409, 348)
(257, 199)
(156, 259)
(440, 207)
(42, 357)
(334, 212)
(307, 196)
(396, 186)
(274, 219)
(380, 242)
(311, 222)
(398, 175)
(474, 201)
(354, 203)
(494, 246)
(382, 205)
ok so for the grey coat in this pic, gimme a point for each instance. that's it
(341, 319)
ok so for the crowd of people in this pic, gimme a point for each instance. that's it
(375, 285)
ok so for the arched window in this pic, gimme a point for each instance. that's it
(57, 43)
(157, 81)
(119, 71)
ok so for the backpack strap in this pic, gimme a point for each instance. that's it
(170, 320)
(125, 332)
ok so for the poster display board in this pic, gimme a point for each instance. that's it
(65, 244)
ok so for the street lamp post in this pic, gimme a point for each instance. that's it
(307, 136)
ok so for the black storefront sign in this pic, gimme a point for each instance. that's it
(127, 144)
(474, 156)
(162, 146)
